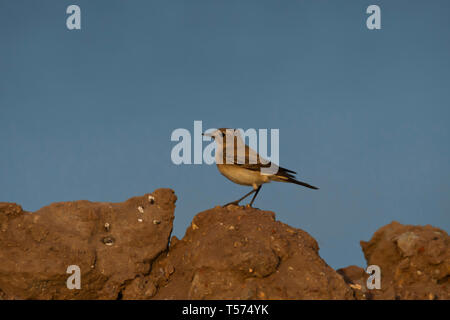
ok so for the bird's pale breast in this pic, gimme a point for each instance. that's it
(241, 175)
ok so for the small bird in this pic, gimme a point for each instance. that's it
(245, 166)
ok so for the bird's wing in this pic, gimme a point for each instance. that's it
(237, 152)
(246, 157)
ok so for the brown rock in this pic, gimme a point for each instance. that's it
(414, 263)
(123, 252)
(356, 278)
(36, 248)
(244, 253)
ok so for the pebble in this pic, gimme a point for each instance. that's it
(107, 226)
(140, 209)
(356, 286)
(109, 241)
(140, 220)
(194, 226)
(151, 199)
(156, 222)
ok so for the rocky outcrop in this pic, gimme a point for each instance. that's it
(112, 243)
(241, 253)
(123, 251)
(414, 263)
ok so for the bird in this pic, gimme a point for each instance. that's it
(244, 166)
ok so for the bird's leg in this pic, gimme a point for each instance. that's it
(253, 199)
(237, 201)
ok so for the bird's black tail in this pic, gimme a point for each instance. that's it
(285, 175)
(292, 180)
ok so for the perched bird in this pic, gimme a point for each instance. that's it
(243, 165)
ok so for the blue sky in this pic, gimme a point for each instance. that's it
(362, 114)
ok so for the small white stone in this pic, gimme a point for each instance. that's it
(109, 241)
(151, 199)
(140, 220)
(141, 210)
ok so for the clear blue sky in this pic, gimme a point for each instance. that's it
(362, 114)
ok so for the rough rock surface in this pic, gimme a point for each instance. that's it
(123, 251)
(112, 243)
(414, 263)
(240, 253)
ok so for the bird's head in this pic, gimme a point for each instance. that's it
(221, 134)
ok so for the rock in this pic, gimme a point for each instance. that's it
(243, 253)
(414, 262)
(356, 278)
(104, 239)
(227, 253)
(407, 242)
